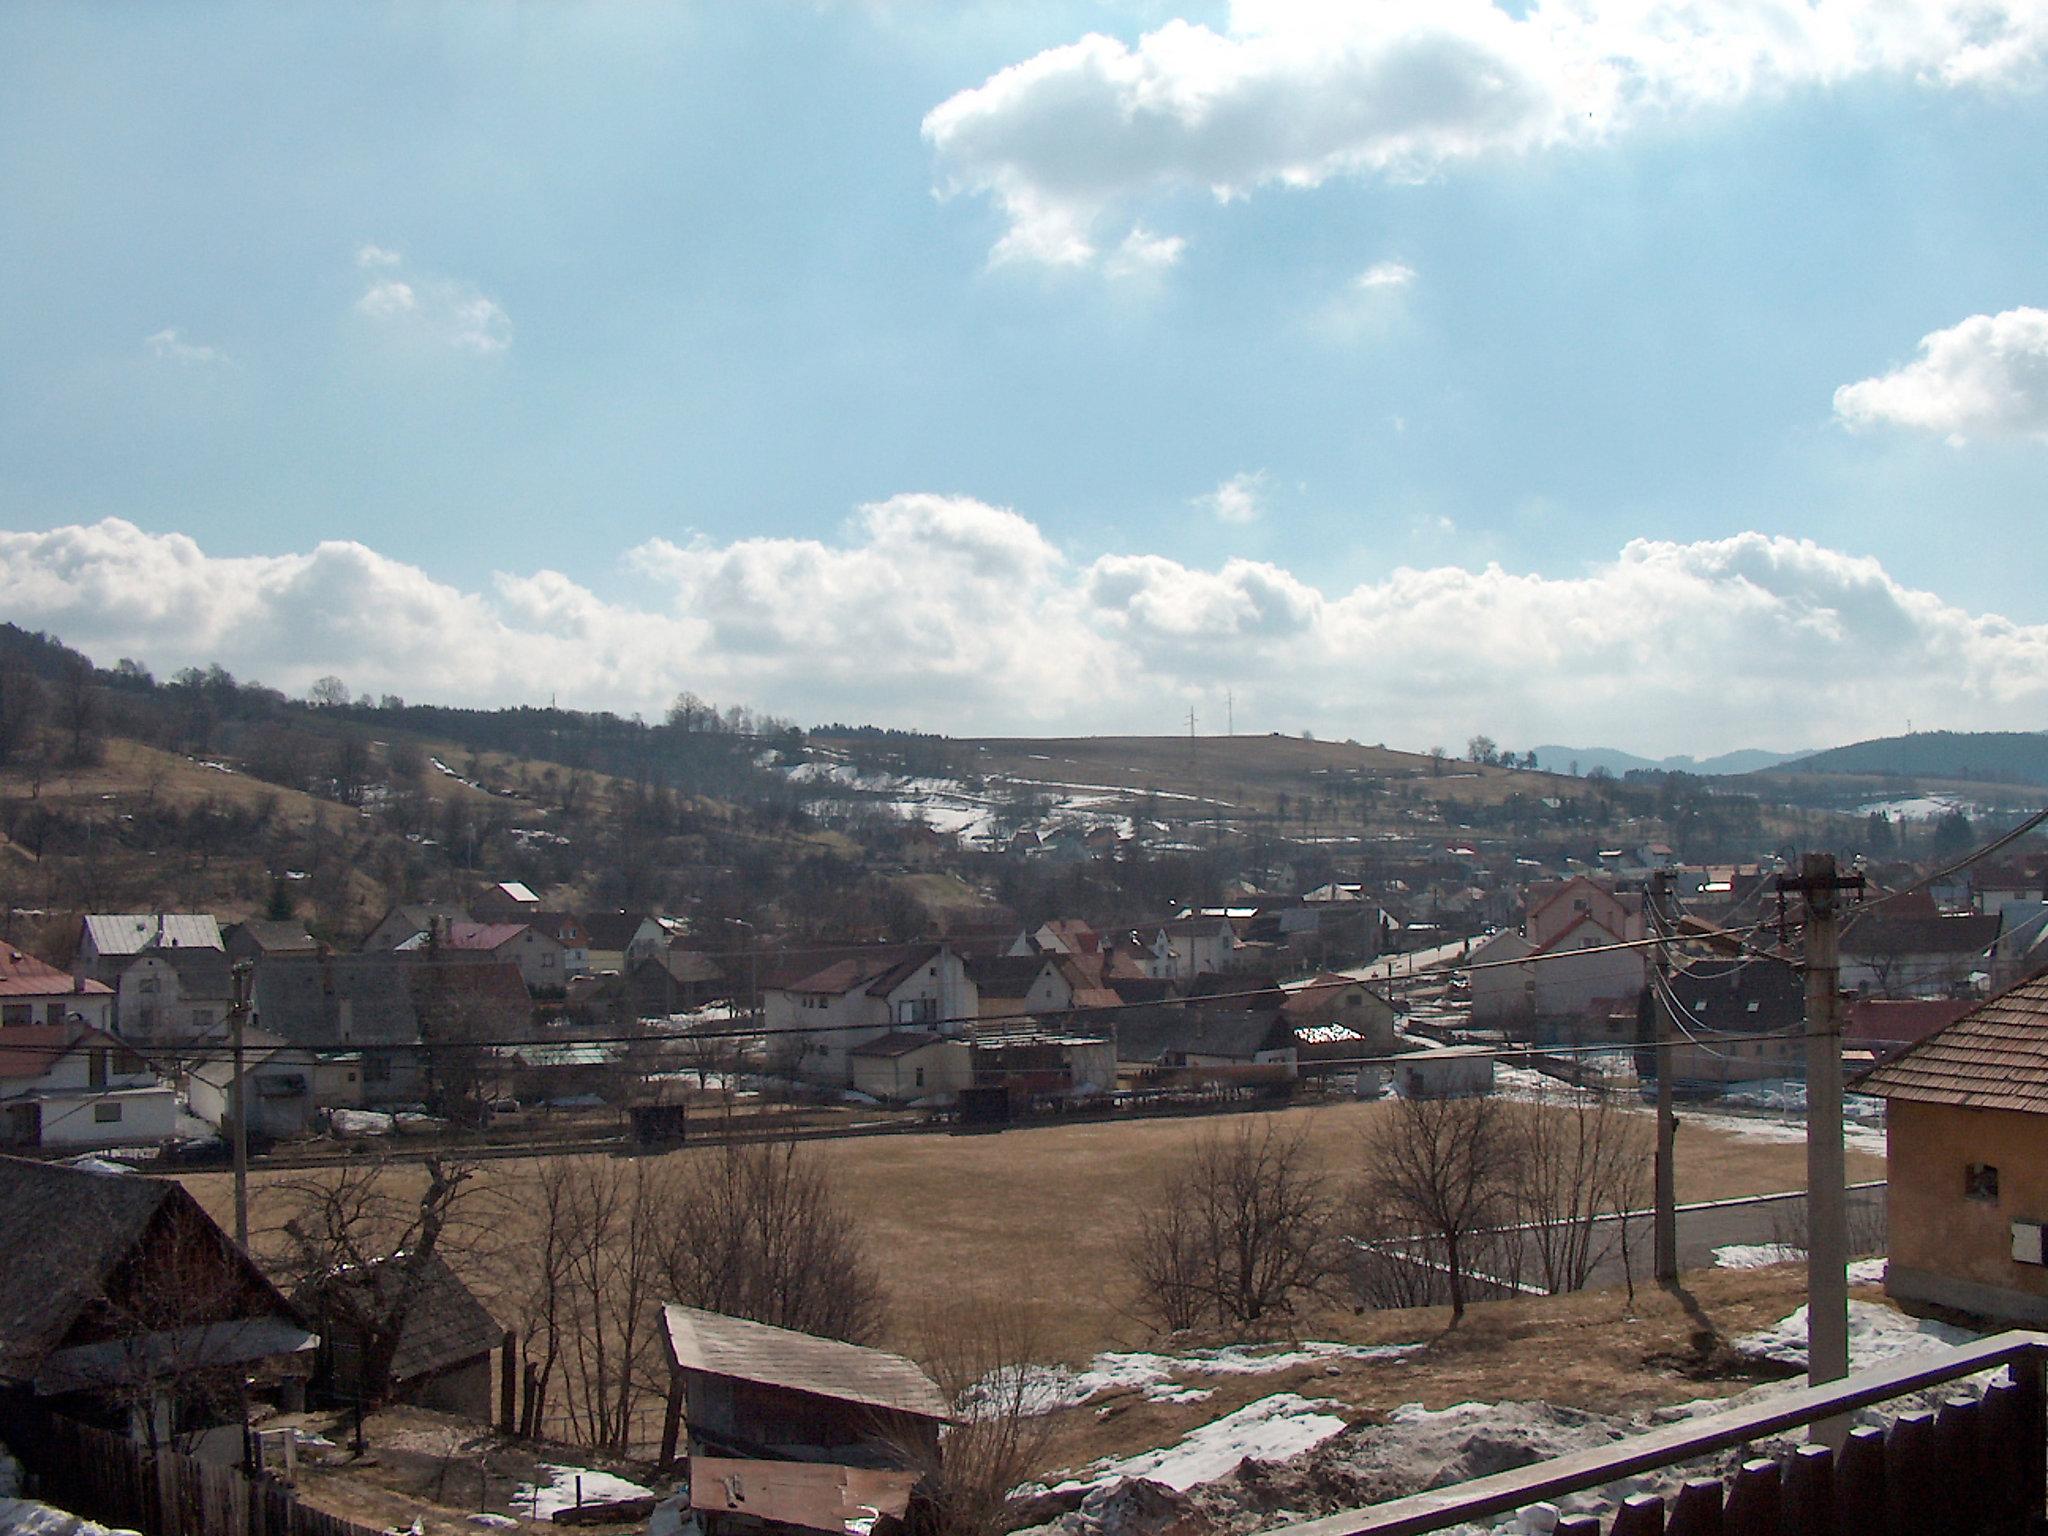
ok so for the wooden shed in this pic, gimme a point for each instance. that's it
(790, 1431)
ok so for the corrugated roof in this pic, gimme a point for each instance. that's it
(898, 1042)
(129, 933)
(799, 1362)
(1993, 1057)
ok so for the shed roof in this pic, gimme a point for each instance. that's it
(445, 1325)
(798, 1362)
(898, 1042)
(1993, 1057)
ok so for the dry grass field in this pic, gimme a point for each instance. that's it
(1033, 1216)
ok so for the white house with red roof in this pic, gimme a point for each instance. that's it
(813, 1021)
(34, 992)
(73, 1085)
(542, 959)
(1564, 960)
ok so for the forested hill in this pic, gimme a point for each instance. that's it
(1984, 757)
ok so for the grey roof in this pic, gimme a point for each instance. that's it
(68, 1229)
(445, 1325)
(129, 933)
(1150, 1035)
(898, 1042)
(121, 1362)
(269, 936)
(300, 998)
(798, 1362)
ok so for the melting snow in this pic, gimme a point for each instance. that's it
(1877, 1336)
(1272, 1429)
(1046, 1388)
(560, 1492)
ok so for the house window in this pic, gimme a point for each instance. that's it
(107, 1114)
(376, 1069)
(96, 1069)
(1980, 1182)
(920, 1077)
(53, 1013)
(147, 986)
(18, 1013)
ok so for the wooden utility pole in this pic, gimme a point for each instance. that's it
(1666, 1195)
(1827, 1228)
(238, 1100)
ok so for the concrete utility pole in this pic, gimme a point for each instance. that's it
(1827, 1233)
(238, 1100)
(1666, 1197)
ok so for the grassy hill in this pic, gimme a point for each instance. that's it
(1974, 757)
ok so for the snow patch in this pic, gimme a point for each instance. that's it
(1756, 1255)
(1877, 1336)
(561, 1490)
(1048, 1388)
(1274, 1428)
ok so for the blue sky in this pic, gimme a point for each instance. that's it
(492, 351)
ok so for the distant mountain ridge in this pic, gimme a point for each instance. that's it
(1985, 757)
(1616, 761)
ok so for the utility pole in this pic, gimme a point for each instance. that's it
(1827, 1241)
(238, 1100)
(1666, 1201)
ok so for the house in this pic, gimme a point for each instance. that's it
(280, 1081)
(1211, 1045)
(443, 1359)
(1028, 1061)
(70, 1085)
(359, 1005)
(1731, 1024)
(1339, 1019)
(131, 1310)
(409, 920)
(542, 960)
(2021, 952)
(260, 938)
(1909, 949)
(32, 992)
(1188, 947)
(1447, 1072)
(169, 972)
(1546, 979)
(567, 930)
(1885, 1026)
(813, 1021)
(907, 1065)
(509, 901)
(1553, 908)
(674, 980)
(618, 940)
(787, 1429)
(1018, 986)
(1967, 1153)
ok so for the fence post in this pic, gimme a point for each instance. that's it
(1696, 1511)
(1641, 1514)
(1859, 1482)
(1809, 1491)
(1909, 1474)
(1752, 1508)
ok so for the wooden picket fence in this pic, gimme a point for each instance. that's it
(1975, 1467)
(118, 1482)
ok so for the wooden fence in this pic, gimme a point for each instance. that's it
(118, 1482)
(1975, 1466)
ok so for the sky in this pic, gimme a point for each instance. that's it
(1608, 372)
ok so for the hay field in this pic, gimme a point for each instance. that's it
(1034, 1215)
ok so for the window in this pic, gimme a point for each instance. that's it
(147, 986)
(53, 1013)
(96, 1069)
(920, 1077)
(1980, 1182)
(107, 1114)
(18, 1013)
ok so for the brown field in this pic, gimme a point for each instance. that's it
(1032, 1216)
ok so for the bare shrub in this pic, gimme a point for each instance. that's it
(981, 1357)
(1580, 1161)
(1244, 1228)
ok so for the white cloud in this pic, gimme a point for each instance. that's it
(168, 346)
(1384, 274)
(1240, 499)
(1986, 377)
(951, 614)
(430, 311)
(1295, 92)
(1144, 254)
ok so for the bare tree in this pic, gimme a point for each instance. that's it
(981, 1357)
(1444, 1166)
(1243, 1229)
(328, 692)
(1579, 1165)
(759, 1231)
(357, 1221)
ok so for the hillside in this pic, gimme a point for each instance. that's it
(1975, 757)
(1585, 759)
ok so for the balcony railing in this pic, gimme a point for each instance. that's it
(1976, 1465)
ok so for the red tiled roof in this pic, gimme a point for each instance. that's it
(23, 975)
(481, 935)
(32, 1049)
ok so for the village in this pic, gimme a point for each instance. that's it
(540, 1215)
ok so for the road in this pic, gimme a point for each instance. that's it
(1715, 1224)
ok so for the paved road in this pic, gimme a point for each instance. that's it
(1760, 1219)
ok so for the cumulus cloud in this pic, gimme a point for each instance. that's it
(430, 311)
(169, 347)
(951, 614)
(1296, 92)
(1144, 254)
(1987, 377)
(1384, 274)
(1240, 499)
